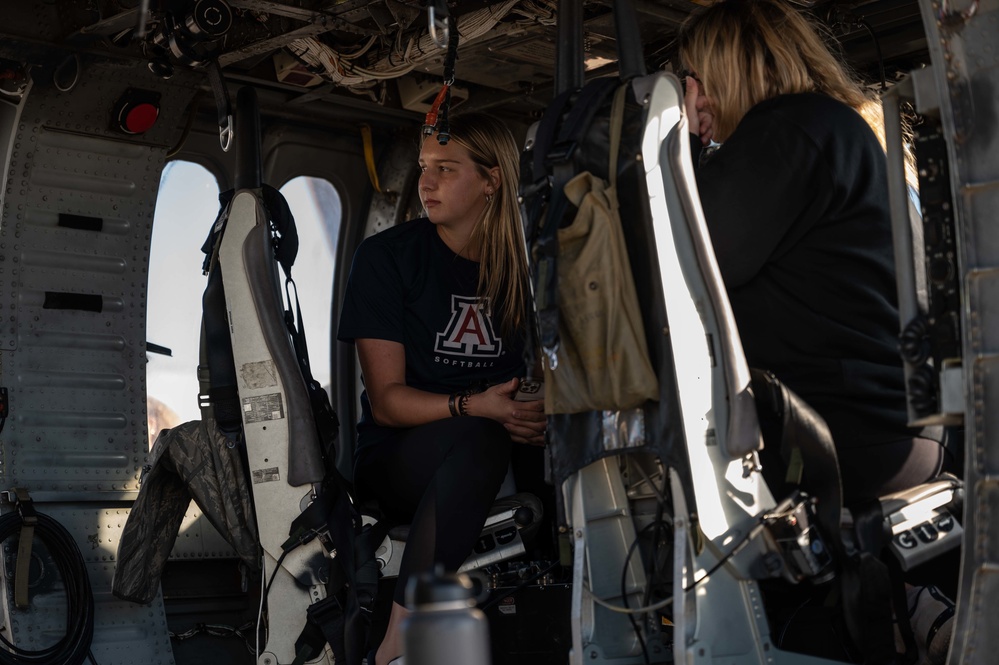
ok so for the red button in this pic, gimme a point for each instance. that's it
(140, 118)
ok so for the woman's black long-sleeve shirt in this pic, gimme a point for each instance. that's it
(796, 201)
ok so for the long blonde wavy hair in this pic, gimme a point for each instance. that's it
(748, 51)
(498, 237)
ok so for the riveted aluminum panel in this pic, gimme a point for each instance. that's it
(77, 213)
(74, 247)
(124, 633)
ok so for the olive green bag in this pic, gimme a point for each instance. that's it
(603, 360)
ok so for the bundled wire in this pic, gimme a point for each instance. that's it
(74, 647)
(342, 69)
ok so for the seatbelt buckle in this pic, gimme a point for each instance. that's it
(25, 506)
(29, 520)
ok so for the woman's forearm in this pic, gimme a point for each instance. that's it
(399, 405)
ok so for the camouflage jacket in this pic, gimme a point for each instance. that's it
(190, 461)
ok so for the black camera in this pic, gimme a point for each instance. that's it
(189, 37)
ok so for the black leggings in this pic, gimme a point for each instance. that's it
(442, 479)
(870, 472)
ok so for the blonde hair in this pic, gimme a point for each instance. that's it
(747, 51)
(498, 237)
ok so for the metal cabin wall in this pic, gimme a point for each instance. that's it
(77, 426)
(76, 435)
(963, 38)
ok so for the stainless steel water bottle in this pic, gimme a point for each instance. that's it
(445, 627)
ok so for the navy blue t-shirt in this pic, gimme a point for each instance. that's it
(407, 286)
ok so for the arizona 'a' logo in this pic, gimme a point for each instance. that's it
(469, 332)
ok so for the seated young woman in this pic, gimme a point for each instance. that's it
(436, 307)
(796, 201)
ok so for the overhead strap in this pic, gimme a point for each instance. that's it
(222, 104)
(437, 117)
(369, 157)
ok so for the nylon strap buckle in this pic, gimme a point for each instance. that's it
(29, 518)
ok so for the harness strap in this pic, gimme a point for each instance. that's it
(559, 157)
(369, 157)
(29, 519)
(437, 117)
(222, 104)
(222, 401)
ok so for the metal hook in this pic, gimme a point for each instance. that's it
(225, 134)
(435, 25)
(141, 19)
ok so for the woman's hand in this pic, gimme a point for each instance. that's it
(700, 119)
(525, 421)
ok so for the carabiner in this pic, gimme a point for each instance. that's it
(225, 134)
(434, 26)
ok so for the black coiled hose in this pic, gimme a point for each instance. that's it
(74, 647)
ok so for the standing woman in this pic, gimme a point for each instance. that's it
(796, 201)
(436, 307)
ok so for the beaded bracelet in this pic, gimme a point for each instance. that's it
(463, 403)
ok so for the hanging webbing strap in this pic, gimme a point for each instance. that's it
(222, 104)
(369, 157)
(556, 155)
(437, 117)
(219, 396)
(22, 571)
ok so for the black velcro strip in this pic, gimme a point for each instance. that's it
(83, 302)
(81, 222)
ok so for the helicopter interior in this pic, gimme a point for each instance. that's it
(99, 97)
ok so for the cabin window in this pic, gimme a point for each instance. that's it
(315, 204)
(186, 207)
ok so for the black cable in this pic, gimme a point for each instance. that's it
(725, 559)
(624, 594)
(263, 598)
(877, 47)
(656, 523)
(192, 112)
(693, 585)
(277, 567)
(74, 647)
